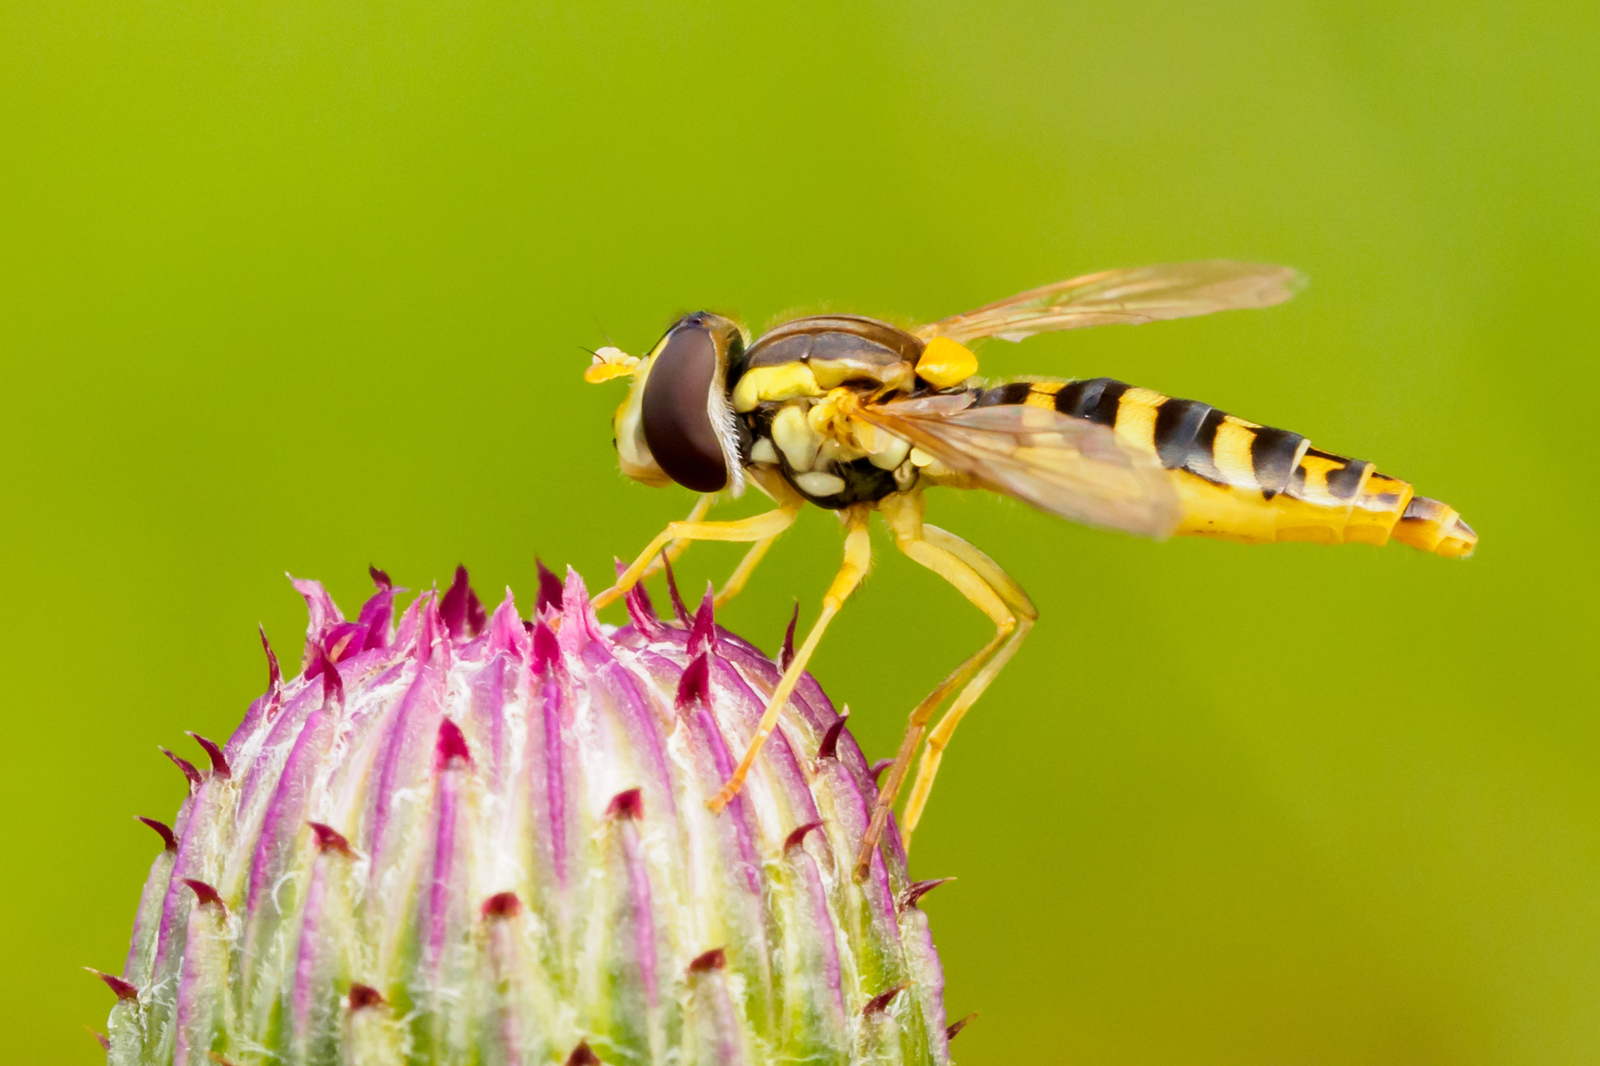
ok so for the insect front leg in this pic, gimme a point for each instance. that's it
(761, 527)
(678, 547)
(673, 550)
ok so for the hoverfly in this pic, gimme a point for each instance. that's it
(856, 415)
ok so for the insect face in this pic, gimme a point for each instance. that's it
(676, 424)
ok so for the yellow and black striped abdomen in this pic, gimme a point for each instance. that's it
(1245, 482)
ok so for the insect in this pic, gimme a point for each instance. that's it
(856, 415)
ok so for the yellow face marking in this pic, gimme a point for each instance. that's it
(1231, 452)
(610, 363)
(783, 382)
(945, 363)
(595, 373)
(1136, 417)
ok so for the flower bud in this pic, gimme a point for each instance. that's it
(471, 838)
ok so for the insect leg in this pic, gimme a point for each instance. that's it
(1026, 615)
(782, 493)
(971, 576)
(857, 560)
(742, 572)
(763, 526)
(678, 547)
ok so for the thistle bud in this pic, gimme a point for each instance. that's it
(470, 838)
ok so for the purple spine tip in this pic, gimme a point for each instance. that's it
(330, 839)
(502, 905)
(550, 590)
(123, 989)
(918, 889)
(786, 656)
(102, 1039)
(274, 671)
(546, 648)
(695, 684)
(205, 893)
(163, 830)
(364, 996)
(880, 1002)
(640, 609)
(380, 579)
(452, 749)
(798, 837)
(877, 769)
(629, 804)
(703, 631)
(332, 684)
(715, 959)
(219, 763)
(583, 1056)
(186, 766)
(956, 1027)
(829, 748)
(672, 589)
(460, 608)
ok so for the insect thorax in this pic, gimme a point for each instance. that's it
(788, 390)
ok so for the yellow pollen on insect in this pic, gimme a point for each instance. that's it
(945, 363)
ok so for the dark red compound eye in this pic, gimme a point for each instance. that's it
(675, 412)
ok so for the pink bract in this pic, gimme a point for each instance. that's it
(472, 838)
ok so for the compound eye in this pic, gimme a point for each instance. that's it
(675, 411)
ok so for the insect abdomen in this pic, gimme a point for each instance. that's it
(1246, 482)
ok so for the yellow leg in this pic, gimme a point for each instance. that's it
(678, 547)
(674, 549)
(1023, 610)
(992, 591)
(857, 560)
(742, 572)
(759, 527)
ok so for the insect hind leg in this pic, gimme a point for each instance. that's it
(1025, 614)
(991, 590)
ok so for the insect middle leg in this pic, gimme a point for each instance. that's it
(857, 560)
(742, 572)
(991, 590)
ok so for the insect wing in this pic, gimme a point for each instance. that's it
(1063, 465)
(1142, 294)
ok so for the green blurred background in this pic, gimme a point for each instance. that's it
(298, 286)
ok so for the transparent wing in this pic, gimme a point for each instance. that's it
(1066, 466)
(1142, 294)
